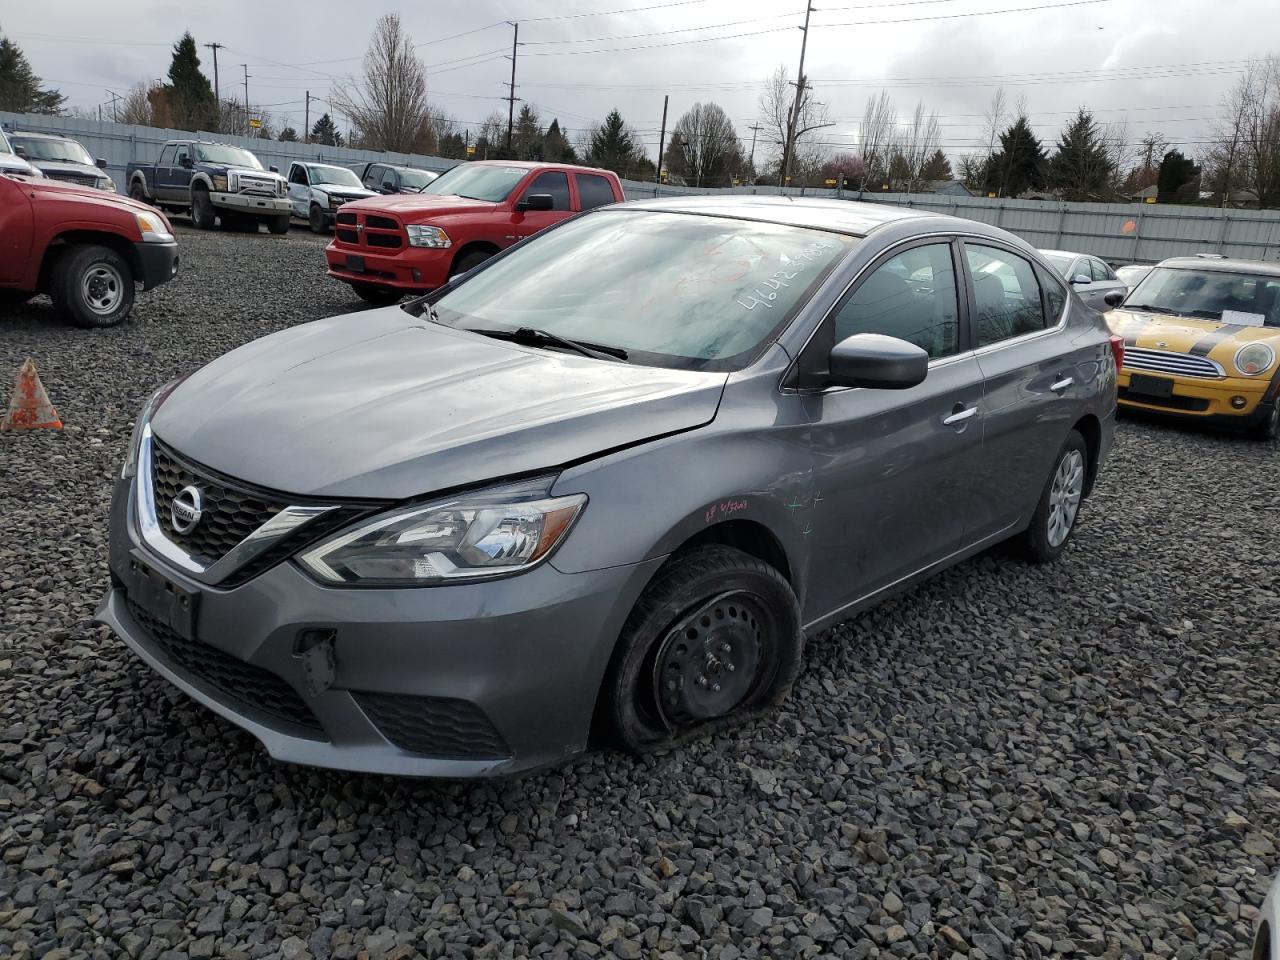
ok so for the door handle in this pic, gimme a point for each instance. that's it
(1062, 384)
(960, 416)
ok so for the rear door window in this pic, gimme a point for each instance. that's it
(554, 182)
(1100, 270)
(1006, 294)
(594, 191)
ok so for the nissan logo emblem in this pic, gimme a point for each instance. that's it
(186, 509)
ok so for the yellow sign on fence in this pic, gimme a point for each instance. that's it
(255, 123)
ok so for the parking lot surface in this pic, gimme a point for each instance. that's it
(1073, 760)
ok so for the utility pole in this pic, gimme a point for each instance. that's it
(246, 98)
(751, 160)
(662, 139)
(217, 95)
(306, 120)
(511, 98)
(115, 113)
(785, 170)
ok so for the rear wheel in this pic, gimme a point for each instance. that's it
(203, 214)
(1055, 518)
(375, 295)
(716, 635)
(93, 286)
(279, 225)
(137, 193)
(317, 220)
(1269, 429)
(468, 261)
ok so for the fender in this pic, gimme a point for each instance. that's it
(200, 177)
(139, 177)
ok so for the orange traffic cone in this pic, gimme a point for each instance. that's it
(30, 407)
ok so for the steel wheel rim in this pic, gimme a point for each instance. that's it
(1064, 496)
(102, 289)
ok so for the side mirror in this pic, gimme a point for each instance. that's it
(1080, 279)
(20, 151)
(537, 201)
(100, 163)
(1114, 298)
(273, 168)
(877, 362)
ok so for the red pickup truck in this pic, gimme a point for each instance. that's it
(386, 247)
(86, 248)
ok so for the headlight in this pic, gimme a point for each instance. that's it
(219, 182)
(490, 533)
(282, 188)
(149, 409)
(106, 183)
(421, 235)
(1254, 358)
(153, 227)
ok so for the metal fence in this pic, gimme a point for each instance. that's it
(1120, 233)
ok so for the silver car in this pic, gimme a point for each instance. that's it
(602, 487)
(62, 158)
(1095, 282)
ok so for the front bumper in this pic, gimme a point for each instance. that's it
(503, 674)
(1204, 399)
(157, 262)
(251, 203)
(412, 269)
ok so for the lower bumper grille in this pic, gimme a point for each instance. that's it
(434, 726)
(257, 692)
(1191, 404)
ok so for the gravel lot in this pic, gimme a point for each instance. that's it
(1078, 760)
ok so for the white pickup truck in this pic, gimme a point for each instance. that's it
(317, 190)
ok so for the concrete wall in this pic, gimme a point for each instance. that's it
(1120, 233)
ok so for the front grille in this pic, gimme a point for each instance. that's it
(348, 236)
(257, 185)
(82, 179)
(347, 218)
(230, 513)
(387, 240)
(371, 230)
(257, 692)
(1162, 361)
(1175, 402)
(382, 223)
(434, 726)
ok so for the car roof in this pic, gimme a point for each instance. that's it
(327, 166)
(532, 164)
(1223, 265)
(1063, 253)
(845, 216)
(40, 136)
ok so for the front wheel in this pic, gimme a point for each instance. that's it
(467, 262)
(375, 295)
(279, 225)
(317, 220)
(93, 286)
(1268, 429)
(203, 215)
(1054, 521)
(715, 635)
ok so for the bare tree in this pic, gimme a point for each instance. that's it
(491, 136)
(705, 150)
(877, 137)
(1248, 149)
(776, 102)
(1121, 150)
(136, 107)
(995, 120)
(388, 107)
(919, 142)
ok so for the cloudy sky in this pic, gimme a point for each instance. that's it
(1163, 64)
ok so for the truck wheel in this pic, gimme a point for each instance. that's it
(316, 219)
(375, 295)
(278, 225)
(203, 214)
(93, 286)
(137, 193)
(468, 262)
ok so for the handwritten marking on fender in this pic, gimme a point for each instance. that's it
(725, 508)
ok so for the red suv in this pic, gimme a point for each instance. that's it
(386, 247)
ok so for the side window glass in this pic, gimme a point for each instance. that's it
(166, 156)
(1100, 271)
(371, 178)
(553, 182)
(180, 156)
(594, 191)
(912, 297)
(1056, 297)
(298, 175)
(1007, 294)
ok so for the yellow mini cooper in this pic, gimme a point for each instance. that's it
(1201, 339)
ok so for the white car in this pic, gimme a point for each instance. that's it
(10, 162)
(317, 190)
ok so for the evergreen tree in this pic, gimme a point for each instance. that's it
(556, 147)
(288, 135)
(1179, 178)
(937, 167)
(1082, 167)
(325, 131)
(613, 145)
(452, 145)
(1019, 164)
(526, 139)
(20, 89)
(189, 92)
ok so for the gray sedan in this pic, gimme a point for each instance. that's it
(1095, 281)
(603, 487)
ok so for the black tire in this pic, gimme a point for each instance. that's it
(1039, 542)
(316, 219)
(375, 295)
(730, 595)
(468, 261)
(136, 192)
(278, 225)
(203, 214)
(93, 286)
(1268, 429)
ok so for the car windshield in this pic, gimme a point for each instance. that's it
(476, 182)
(416, 179)
(67, 151)
(1060, 261)
(675, 290)
(221, 153)
(338, 176)
(1229, 296)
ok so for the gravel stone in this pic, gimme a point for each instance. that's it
(1016, 761)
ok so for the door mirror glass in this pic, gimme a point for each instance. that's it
(537, 201)
(1114, 298)
(100, 163)
(1080, 279)
(273, 168)
(21, 151)
(877, 362)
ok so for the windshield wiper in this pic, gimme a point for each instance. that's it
(543, 338)
(1150, 309)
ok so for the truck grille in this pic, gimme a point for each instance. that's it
(1163, 361)
(263, 186)
(367, 230)
(79, 179)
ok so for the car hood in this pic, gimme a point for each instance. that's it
(61, 190)
(410, 207)
(12, 163)
(342, 191)
(382, 404)
(64, 166)
(1207, 338)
